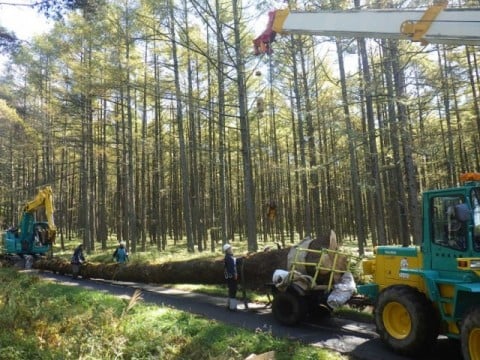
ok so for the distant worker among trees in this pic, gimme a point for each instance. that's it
(120, 255)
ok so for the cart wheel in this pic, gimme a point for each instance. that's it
(289, 309)
(321, 312)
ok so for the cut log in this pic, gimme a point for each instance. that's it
(258, 269)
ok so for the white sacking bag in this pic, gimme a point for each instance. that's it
(342, 292)
(279, 275)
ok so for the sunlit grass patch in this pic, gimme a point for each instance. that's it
(44, 320)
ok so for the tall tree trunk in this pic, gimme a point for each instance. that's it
(223, 214)
(475, 101)
(414, 213)
(87, 217)
(372, 156)
(133, 227)
(187, 212)
(355, 180)
(144, 166)
(158, 222)
(398, 200)
(297, 157)
(102, 184)
(249, 187)
(303, 179)
(327, 219)
(193, 161)
(314, 195)
(445, 94)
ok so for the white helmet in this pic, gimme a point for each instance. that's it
(226, 247)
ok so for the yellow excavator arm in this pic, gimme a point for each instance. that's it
(436, 24)
(44, 198)
(33, 237)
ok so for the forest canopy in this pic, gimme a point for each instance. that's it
(154, 121)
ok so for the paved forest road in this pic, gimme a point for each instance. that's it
(358, 340)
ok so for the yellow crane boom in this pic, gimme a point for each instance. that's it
(436, 25)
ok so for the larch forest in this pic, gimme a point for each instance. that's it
(154, 121)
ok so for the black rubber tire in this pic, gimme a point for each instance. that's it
(470, 332)
(320, 312)
(416, 310)
(288, 308)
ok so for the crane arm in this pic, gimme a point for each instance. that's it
(434, 25)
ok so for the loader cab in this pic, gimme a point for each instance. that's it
(451, 227)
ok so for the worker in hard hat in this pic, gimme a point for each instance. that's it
(231, 276)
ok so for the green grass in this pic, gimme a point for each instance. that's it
(43, 320)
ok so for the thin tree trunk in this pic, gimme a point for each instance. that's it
(221, 124)
(313, 182)
(355, 180)
(303, 180)
(192, 139)
(157, 220)
(133, 226)
(414, 213)
(249, 187)
(102, 233)
(398, 200)
(445, 94)
(475, 102)
(187, 211)
(144, 166)
(372, 156)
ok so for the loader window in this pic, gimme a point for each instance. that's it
(449, 225)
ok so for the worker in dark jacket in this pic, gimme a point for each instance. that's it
(77, 260)
(231, 276)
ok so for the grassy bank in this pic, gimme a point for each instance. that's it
(43, 320)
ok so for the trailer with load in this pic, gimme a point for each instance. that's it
(318, 281)
(418, 292)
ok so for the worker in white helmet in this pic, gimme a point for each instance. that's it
(231, 276)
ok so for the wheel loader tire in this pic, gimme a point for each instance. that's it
(288, 308)
(470, 334)
(406, 320)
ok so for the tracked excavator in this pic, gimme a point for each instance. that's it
(31, 237)
(418, 292)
